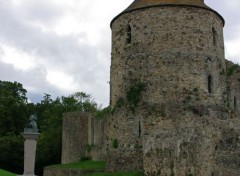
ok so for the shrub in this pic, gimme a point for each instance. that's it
(103, 113)
(12, 153)
(115, 143)
(232, 69)
(134, 94)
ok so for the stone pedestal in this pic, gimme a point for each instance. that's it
(30, 145)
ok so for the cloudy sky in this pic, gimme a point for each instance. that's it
(61, 47)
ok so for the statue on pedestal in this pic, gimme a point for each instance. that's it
(30, 136)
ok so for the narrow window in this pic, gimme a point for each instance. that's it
(214, 33)
(139, 129)
(235, 102)
(209, 84)
(129, 34)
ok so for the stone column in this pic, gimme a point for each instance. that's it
(30, 145)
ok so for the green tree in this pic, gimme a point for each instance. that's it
(14, 113)
(11, 153)
(13, 102)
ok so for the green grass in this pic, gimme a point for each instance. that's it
(88, 165)
(6, 173)
(93, 165)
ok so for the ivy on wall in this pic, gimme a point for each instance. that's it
(133, 94)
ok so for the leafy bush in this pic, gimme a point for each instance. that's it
(134, 94)
(103, 113)
(89, 148)
(11, 153)
(115, 143)
(232, 69)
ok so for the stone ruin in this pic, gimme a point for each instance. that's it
(174, 98)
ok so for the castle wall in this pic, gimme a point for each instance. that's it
(99, 139)
(74, 136)
(83, 136)
(124, 142)
(175, 108)
(233, 80)
(124, 160)
(179, 55)
(228, 146)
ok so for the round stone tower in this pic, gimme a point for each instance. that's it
(174, 46)
(167, 78)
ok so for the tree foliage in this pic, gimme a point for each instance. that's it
(14, 113)
(11, 153)
(13, 102)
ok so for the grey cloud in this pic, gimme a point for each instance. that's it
(230, 15)
(31, 78)
(41, 11)
(64, 53)
(19, 33)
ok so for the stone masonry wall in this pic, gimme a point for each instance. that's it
(124, 160)
(74, 136)
(175, 109)
(172, 50)
(233, 80)
(123, 144)
(83, 136)
(99, 139)
(178, 54)
(228, 145)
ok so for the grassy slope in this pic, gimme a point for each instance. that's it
(6, 173)
(83, 165)
(94, 165)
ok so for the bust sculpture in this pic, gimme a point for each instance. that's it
(32, 125)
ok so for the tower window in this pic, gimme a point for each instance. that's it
(129, 34)
(209, 84)
(235, 102)
(139, 129)
(214, 33)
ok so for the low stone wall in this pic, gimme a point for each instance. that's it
(74, 136)
(48, 171)
(99, 149)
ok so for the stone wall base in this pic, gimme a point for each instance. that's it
(124, 161)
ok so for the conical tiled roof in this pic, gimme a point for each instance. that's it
(142, 4)
(137, 4)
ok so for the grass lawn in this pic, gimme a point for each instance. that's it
(88, 165)
(6, 173)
